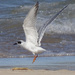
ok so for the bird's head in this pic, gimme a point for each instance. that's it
(18, 42)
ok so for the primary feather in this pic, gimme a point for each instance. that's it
(42, 30)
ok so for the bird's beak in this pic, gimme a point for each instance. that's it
(15, 44)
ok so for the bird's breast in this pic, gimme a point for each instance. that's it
(29, 46)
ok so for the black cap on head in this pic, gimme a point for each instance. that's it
(19, 42)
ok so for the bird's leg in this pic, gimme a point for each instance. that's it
(35, 56)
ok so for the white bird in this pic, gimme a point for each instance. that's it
(34, 37)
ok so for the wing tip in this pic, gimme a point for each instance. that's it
(37, 4)
(36, 7)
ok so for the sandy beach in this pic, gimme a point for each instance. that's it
(35, 72)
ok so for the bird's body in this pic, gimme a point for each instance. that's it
(34, 36)
(32, 48)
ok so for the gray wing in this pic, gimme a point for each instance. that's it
(41, 31)
(29, 25)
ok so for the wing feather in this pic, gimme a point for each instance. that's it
(42, 30)
(29, 25)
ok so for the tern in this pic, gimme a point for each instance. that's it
(34, 36)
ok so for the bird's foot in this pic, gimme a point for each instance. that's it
(34, 58)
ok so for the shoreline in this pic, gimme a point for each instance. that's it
(36, 72)
(45, 63)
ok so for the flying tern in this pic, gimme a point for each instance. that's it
(34, 36)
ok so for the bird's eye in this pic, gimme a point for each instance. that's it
(19, 42)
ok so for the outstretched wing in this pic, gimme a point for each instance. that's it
(41, 31)
(29, 25)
